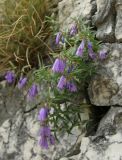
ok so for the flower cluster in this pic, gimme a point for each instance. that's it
(33, 90)
(74, 31)
(45, 132)
(60, 65)
(102, 53)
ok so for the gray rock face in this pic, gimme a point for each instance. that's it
(19, 130)
(68, 10)
(118, 29)
(8, 101)
(107, 142)
(104, 20)
(108, 20)
(106, 88)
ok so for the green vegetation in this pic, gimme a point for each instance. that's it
(66, 101)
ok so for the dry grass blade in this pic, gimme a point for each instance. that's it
(23, 34)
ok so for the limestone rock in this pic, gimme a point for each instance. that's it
(118, 29)
(19, 130)
(19, 138)
(73, 9)
(106, 88)
(10, 101)
(70, 158)
(104, 20)
(108, 20)
(107, 142)
(105, 31)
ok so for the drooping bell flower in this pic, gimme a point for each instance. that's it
(43, 114)
(58, 66)
(46, 137)
(73, 30)
(80, 49)
(45, 134)
(91, 53)
(71, 86)
(89, 45)
(22, 82)
(32, 92)
(58, 37)
(102, 54)
(43, 142)
(62, 82)
(10, 77)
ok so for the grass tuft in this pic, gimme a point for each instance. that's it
(23, 34)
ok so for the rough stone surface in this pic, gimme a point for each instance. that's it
(106, 88)
(107, 142)
(19, 130)
(118, 29)
(104, 20)
(73, 9)
(108, 20)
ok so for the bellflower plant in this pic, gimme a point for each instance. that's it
(58, 66)
(75, 63)
(43, 142)
(58, 37)
(32, 92)
(45, 132)
(10, 77)
(80, 49)
(73, 30)
(46, 137)
(22, 82)
(91, 52)
(43, 114)
(71, 86)
(62, 83)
